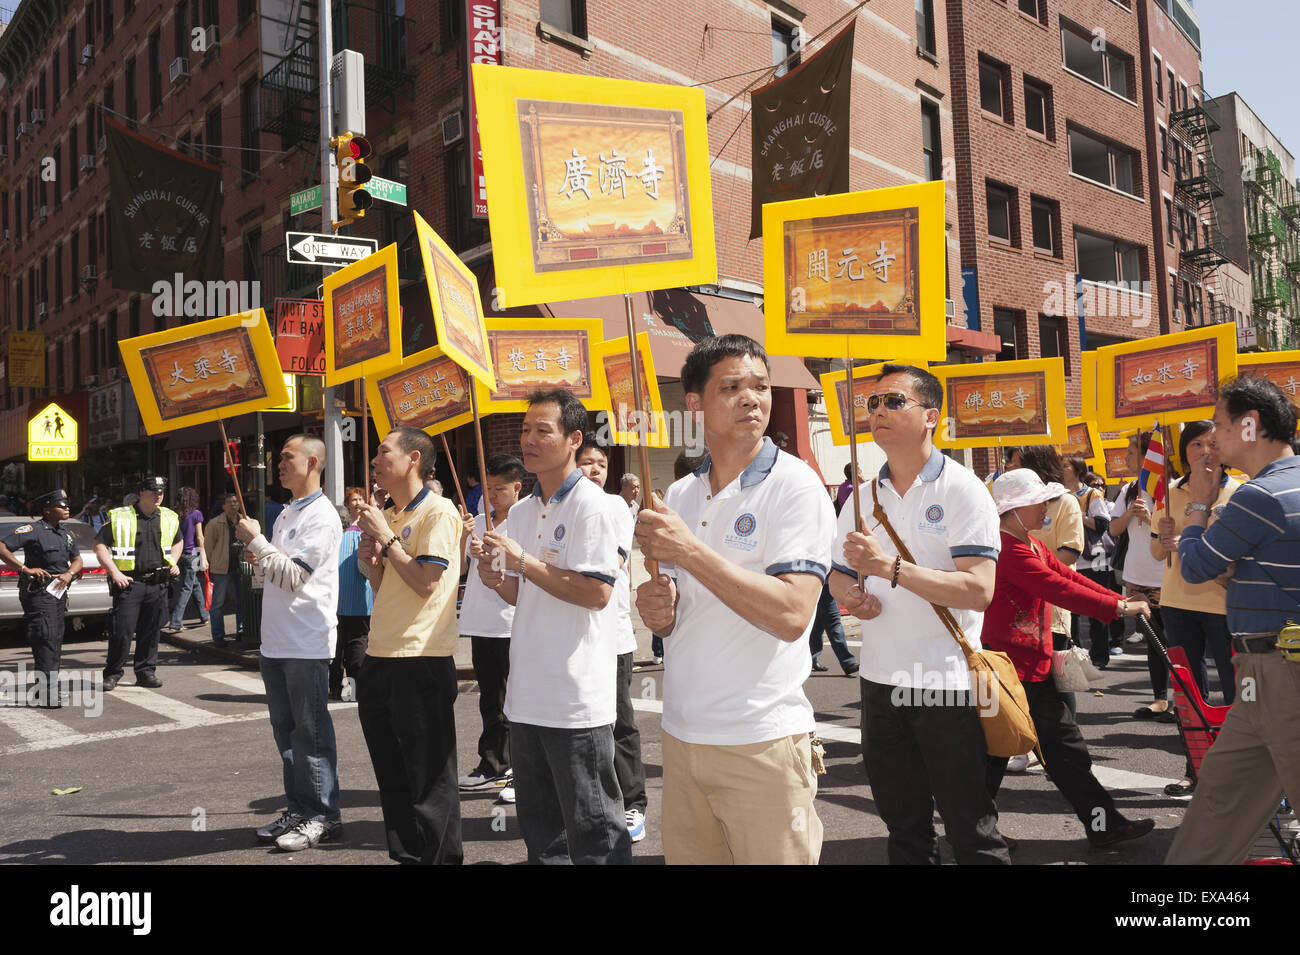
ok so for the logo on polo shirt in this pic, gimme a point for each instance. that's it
(745, 525)
(742, 533)
(934, 513)
(406, 532)
(559, 532)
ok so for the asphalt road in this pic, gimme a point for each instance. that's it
(185, 773)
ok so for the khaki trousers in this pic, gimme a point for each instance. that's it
(1254, 760)
(740, 805)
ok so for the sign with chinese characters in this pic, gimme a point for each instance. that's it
(531, 354)
(111, 415)
(363, 328)
(204, 372)
(1114, 466)
(625, 426)
(800, 145)
(52, 435)
(457, 308)
(26, 359)
(598, 186)
(1006, 402)
(835, 390)
(1170, 377)
(1280, 367)
(300, 335)
(1081, 438)
(858, 275)
(429, 392)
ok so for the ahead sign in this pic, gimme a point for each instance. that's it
(52, 435)
(307, 248)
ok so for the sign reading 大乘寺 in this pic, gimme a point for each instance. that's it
(52, 435)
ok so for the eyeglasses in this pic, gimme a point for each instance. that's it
(893, 401)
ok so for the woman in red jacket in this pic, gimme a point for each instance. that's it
(1019, 623)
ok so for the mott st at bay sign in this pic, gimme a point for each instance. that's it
(52, 435)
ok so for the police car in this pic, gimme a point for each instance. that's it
(89, 602)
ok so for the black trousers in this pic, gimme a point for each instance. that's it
(923, 755)
(138, 612)
(627, 741)
(43, 621)
(349, 652)
(491, 658)
(1067, 760)
(407, 714)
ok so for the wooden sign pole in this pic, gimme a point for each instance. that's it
(853, 451)
(478, 443)
(230, 465)
(652, 566)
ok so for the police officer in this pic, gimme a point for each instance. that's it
(139, 547)
(49, 553)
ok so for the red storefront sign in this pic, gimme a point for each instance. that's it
(483, 42)
(300, 335)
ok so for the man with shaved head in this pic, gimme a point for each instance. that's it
(299, 624)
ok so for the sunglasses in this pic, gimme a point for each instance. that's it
(893, 401)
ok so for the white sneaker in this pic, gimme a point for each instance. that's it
(507, 796)
(477, 782)
(659, 661)
(1018, 764)
(308, 834)
(635, 824)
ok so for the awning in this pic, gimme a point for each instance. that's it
(676, 321)
(968, 339)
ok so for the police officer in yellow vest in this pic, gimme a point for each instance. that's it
(139, 548)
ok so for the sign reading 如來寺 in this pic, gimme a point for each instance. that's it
(1169, 378)
(52, 435)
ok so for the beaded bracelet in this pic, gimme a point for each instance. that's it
(898, 565)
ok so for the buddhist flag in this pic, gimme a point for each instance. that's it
(1152, 477)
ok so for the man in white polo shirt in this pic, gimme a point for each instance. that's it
(744, 546)
(558, 567)
(299, 625)
(410, 552)
(915, 754)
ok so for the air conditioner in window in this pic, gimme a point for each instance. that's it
(38, 116)
(87, 162)
(210, 38)
(949, 308)
(87, 54)
(92, 381)
(103, 144)
(180, 69)
(453, 128)
(44, 213)
(1178, 314)
(6, 235)
(25, 129)
(89, 273)
(42, 309)
(112, 374)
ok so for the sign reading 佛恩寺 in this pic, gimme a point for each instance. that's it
(52, 435)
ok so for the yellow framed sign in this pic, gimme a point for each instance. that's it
(363, 323)
(616, 366)
(1114, 467)
(1088, 385)
(988, 404)
(531, 354)
(835, 389)
(1280, 367)
(429, 392)
(863, 266)
(1083, 439)
(457, 306)
(596, 186)
(204, 372)
(1170, 377)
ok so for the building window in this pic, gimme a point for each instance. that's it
(58, 274)
(1046, 216)
(1169, 221)
(74, 243)
(54, 77)
(931, 141)
(1006, 325)
(1003, 215)
(181, 27)
(995, 80)
(1103, 162)
(128, 77)
(1107, 260)
(925, 27)
(212, 132)
(72, 57)
(1159, 73)
(1053, 339)
(250, 159)
(567, 16)
(133, 323)
(1107, 66)
(1035, 8)
(58, 164)
(155, 71)
(1038, 108)
(246, 9)
(108, 22)
(253, 256)
(1173, 90)
(450, 21)
(785, 45)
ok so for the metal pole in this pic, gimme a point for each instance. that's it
(333, 421)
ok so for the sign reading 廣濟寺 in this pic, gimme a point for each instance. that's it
(52, 435)
(205, 371)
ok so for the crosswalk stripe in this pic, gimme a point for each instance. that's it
(166, 707)
(244, 682)
(37, 727)
(84, 738)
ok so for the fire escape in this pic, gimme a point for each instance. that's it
(1196, 187)
(1273, 231)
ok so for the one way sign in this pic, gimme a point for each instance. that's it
(307, 248)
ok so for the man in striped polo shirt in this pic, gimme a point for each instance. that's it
(1255, 545)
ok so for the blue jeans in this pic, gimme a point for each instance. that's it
(567, 797)
(189, 585)
(221, 585)
(827, 621)
(297, 693)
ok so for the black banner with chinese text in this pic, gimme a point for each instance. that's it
(801, 130)
(166, 213)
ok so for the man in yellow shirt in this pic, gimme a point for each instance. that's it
(410, 552)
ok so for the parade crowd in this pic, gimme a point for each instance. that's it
(750, 563)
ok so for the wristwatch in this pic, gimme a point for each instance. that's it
(1196, 506)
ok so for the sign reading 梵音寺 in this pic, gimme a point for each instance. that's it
(52, 435)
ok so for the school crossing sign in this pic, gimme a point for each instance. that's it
(52, 435)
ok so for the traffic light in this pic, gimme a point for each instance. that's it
(351, 152)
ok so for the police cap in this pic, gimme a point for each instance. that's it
(56, 498)
(154, 482)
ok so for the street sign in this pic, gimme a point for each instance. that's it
(300, 335)
(307, 248)
(52, 435)
(304, 201)
(387, 190)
